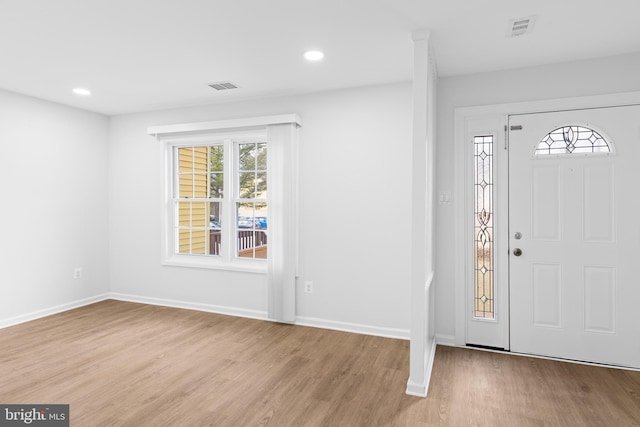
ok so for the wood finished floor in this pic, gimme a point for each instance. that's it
(126, 364)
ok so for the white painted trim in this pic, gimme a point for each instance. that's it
(430, 359)
(418, 390)
(262, 121)
(421, 386)
(233, 264)
(209, 308)
(422, 214)
(378, 331)
(460, 116)
(448, 340)
(27, 317)
(262, 315)
(226, 261)
(429, 282)
(551, 105)
(461, 261)
(421, 389)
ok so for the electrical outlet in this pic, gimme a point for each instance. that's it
(308, 287)
(77, 273)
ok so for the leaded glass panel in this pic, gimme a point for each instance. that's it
(572, 140)
(483, 228)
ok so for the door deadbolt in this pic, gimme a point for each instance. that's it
(518, 235)
(517, 251)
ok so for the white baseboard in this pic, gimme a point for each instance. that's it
(418, 390)
(262, 315)
(378, 331)
(27, 317)
(210, 308)
(421, 389)
(430, 359)
(448, 340)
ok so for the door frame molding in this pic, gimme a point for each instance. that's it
(463, 206)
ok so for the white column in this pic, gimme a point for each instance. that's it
(422, 349)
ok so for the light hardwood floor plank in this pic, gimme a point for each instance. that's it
(125, 364)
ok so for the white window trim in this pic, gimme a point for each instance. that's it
(228, 260)
(204, 133)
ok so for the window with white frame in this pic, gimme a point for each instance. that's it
(229, 200)
(219, 197)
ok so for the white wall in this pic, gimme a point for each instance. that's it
(355, 178)
(54, 211)
(354, 203)
(593, 77)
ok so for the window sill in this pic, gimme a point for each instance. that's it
(195, 261)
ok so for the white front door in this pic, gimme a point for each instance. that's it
(574, 234)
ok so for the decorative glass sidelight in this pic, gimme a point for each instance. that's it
(572, 140)
(483, 228)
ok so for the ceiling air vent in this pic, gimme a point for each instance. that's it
(521, 26)
(223, 85)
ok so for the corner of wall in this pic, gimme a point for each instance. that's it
(421, 388)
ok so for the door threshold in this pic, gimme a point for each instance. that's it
(555, 359)
(487, 347)
(579, 362)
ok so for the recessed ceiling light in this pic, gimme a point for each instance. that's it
(81, 91)
(313, 55)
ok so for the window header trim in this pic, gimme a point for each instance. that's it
(183, 128)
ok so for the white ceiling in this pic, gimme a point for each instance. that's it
(138, 55)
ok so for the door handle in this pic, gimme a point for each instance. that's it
(517, 251)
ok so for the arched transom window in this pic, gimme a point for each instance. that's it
(572, 140)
